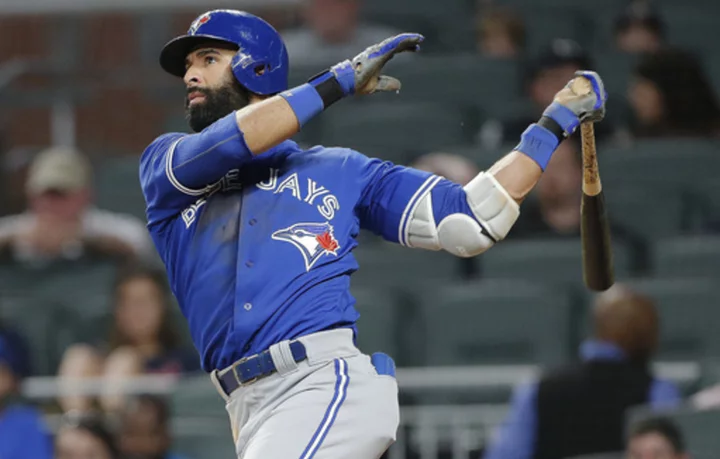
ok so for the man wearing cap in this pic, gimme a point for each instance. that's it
(23, 434)
(60, 222)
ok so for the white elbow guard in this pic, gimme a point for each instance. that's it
(461, 234)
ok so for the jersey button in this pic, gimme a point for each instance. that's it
(249, 264)
(247, 306)
(252, 221)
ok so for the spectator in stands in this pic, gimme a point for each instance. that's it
(656, 438)
(145, 430)
(61, 223)
(332, 31)
(554, 208)
(450, 166)
(143, 339)
(545, 76)
(501, 33)
(23, 433)
(580, 409)
(672, 97)
(639, 30)
(85, 437)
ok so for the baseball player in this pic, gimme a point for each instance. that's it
(257, 234)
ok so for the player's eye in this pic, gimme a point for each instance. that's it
(210, 60)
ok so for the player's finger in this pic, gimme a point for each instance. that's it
(597, 85)
(388, 84)
(398, 44)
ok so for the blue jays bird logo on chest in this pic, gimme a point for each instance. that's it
(312, 239)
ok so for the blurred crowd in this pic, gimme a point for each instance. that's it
(55, 222)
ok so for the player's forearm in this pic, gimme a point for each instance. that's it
(517, 173)
(266, 124)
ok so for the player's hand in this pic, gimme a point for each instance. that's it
(581, 100)
(362, 74)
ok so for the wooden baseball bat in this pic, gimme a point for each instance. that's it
(597, 257)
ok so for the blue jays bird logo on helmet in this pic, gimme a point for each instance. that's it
(312, 239)
(197, 23)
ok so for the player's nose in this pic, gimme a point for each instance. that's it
(192, 77)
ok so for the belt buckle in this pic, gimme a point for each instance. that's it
(235, 373)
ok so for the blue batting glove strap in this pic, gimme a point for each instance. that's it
(305, 101)
(345, 75)
(539, 144)
(563, 116)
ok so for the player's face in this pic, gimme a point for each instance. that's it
(60, 205)
(79, 444)
(212, 91)
(139, 310)
(652, 446)
(646, 101)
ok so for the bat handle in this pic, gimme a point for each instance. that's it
(591, 176)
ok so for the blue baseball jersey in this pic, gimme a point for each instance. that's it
(258, 248)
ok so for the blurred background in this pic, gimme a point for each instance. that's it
(503, 356)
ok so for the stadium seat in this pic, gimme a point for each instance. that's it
(402, 268)
(546, 260)
(195, 396)
(690, 28)
(392, 131)
(379, 327)
(117, 186)
(669, 161)
(495, 322)
(37, 324)
(690, 256)
(616, 69)
(650, 210)
(689, 315)
(460, 80)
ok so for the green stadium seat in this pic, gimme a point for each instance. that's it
(706, 196)
(391, 131)
(616, 69)
(379, 325)
(689, 313)
(668, 161)
(117, 186)
(196, 396)
(37, 324)
(690, 256)
(460, 80)
(402, 268)
(648, 209)
(494, 322)
(546, 260)
(691, 28)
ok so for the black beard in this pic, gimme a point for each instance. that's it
(218, 103)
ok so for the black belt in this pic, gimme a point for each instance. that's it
(258, 366)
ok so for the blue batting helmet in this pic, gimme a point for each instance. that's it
(261, 64)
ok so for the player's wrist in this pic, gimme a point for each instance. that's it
(565, 118)
(539, 143)
(321, 91)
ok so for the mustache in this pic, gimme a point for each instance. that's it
(204, 91)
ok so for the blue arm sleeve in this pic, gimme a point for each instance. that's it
(664, 394)
(393, 192)
(177, 169)
(389, 194)
(515, 438)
